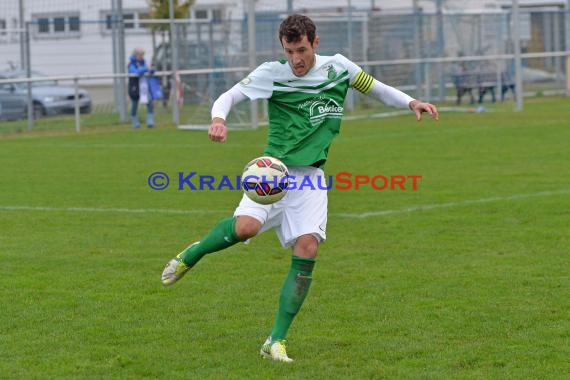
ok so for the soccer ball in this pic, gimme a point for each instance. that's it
(265, 180)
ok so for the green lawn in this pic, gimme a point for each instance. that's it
(464, 278)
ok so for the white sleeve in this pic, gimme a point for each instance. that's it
(389, 95)
(367, 84)
(259, 83)
(222, 106)
(352, 68)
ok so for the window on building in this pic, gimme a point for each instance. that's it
(201, 14)
(43, 25)
(74, 24)
(133, 21)
(207, 14)
(60, 25)
(129, 20)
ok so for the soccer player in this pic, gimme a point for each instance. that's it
(305, 93)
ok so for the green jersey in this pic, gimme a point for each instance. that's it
(304, 112)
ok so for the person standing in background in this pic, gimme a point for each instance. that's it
(138, 88)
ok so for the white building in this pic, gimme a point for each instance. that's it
(74, 37)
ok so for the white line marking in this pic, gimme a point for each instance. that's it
(342, 215)
(111, 210)
(428, 207)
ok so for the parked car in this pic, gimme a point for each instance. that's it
(49, 98)
(12, 106)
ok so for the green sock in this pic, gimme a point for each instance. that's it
(293, 294)
(223, 235)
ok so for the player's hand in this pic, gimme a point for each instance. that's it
(420, 107)
(218, 131)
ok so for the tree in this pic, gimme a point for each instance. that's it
(160, 10)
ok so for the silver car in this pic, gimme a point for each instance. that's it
(49, 98)
(12, 106)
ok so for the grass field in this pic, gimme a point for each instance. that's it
(465, 278)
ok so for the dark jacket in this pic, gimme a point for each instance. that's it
(138, 67)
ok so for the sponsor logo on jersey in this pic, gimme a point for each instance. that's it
(322, 108)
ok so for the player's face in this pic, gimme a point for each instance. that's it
(301, 55)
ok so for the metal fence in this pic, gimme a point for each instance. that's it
(462, 58)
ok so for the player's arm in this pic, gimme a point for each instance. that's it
(218, 130)
(367, 84)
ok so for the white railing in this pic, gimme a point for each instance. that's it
(426, 86)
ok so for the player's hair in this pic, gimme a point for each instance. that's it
(294, 27)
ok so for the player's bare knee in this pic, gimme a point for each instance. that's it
(306, 246)
(247, 227)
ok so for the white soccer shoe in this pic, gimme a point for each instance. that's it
(175, 269)
(275, 350)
